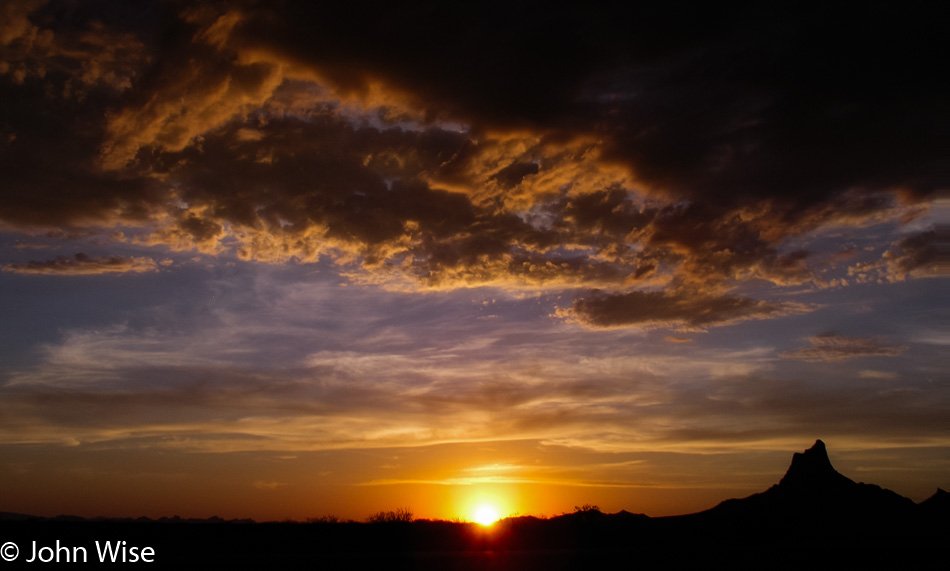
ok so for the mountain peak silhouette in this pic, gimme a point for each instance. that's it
(812, 469)
(814, 498)
(939, 503)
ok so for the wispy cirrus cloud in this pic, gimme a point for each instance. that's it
(683, 310)
(82, 265)
(834, 347)
(299, 372)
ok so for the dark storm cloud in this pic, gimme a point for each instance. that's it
(302, 187)
(81, 264)
(289, 175)
(516, 145)
(73, 51)
(702, 100)
(60, 72)
(294, 188)
(50, 180)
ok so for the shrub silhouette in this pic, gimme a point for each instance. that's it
(400, 515)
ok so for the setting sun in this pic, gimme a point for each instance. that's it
(485, 515)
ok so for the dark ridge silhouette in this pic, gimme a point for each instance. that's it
(10, 516)
(814, 517)
(940, 500)
(813, 469)
(813, 499)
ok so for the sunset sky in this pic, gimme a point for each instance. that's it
(287, 259)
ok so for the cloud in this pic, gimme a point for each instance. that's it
(834, 347)
(693, 101)
(278, 364)
(287, 366)
(923, 255)
(81, 265)
(644, 152)
(170, 121)
(684, 310)
(71, 60)
(358, 400)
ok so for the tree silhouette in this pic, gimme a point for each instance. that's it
(400, 515)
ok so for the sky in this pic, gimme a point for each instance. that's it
(290, 259)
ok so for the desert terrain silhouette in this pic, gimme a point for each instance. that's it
(813, 516)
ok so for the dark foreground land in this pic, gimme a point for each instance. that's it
(814, 518)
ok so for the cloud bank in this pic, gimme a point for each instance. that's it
(567, 148)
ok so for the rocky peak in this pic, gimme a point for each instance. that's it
(812, 469)
(939, 501)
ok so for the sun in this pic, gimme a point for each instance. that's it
(485, 515)
(484, 504)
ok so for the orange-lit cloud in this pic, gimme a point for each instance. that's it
(71, 62)
(683, 310)
(240, 138)
(834, 347)
(81, 264)
(181, 392)
(919, 256)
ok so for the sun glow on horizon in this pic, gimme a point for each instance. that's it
(486, 503)
(485, 514)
